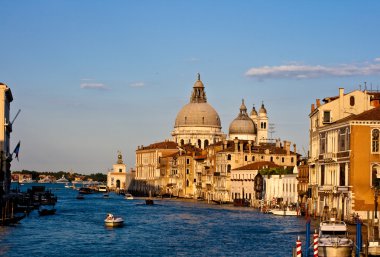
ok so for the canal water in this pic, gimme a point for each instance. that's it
(167, 228)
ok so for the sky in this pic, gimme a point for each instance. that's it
(93, 77)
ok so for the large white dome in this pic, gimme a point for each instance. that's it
(197, 115)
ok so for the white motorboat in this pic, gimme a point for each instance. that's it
(62, 180)
(284, 212)
(102, 188)
(112, 221)
(333, 239)
(128, 197)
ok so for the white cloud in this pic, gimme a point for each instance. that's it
(377, 59)
(96, 86)
(298, 71)
(137, 84)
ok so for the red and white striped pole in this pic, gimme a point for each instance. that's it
(315, 244)
(299, 249)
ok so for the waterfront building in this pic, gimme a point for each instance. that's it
(303, 182)
(344, 155)
(282, 187)
(243, 181)
(197, 163)
(5, 123)
(117, 177)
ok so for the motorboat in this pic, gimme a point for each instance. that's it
(333, 239)
(62, 180)
(283, 212)
(112, 221)
(128, 197)
(102, 188)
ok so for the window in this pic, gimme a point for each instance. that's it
(342, 175)
(229, 157)
(187, 161)
(322, 143)
(326, 117)
(322, 175)
(229, 168)
(187, 171)
(253, 158)
(182, 142)
(120, 170)
(375, 141)
(342, 140)
(376, 176)
(246, 158)
(271, 158)
(187, 182)
(282, 159)
(352, 100)
(206, 143)
(199, 143)
(292, 159)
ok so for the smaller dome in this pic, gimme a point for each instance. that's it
(253, 112)
(242, 124)
(262, 109)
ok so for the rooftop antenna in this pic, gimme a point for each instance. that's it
(365, 85)
(271, 129)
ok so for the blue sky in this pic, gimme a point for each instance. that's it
(93, 77)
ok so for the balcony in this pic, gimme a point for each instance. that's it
(328, 157)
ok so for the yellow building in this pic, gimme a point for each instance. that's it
(341, 161)
(5, 123)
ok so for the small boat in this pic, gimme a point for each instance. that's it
(333, 239)
(102, 188)
(85, 190)
(62, 180)
(128, 197)
(112, 221)
(43, 211)
(242, 203)
(284, 212)
(80, 197)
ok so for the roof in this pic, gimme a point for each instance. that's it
(160, 145)
(258, 166)
(373, 114)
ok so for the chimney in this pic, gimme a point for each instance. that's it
(312, 107)
(341, 92)
(287, 147)
(295, 148)
(318, 101)
(278, 143)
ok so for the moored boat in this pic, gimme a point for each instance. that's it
(333, 239)
(62, 180)
(44, 210)
(284, 212)
(112, 221)
(128, 197)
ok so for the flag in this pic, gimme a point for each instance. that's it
(17, 149)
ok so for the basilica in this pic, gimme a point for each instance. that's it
(200, 161)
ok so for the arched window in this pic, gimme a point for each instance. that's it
(253, 158)
(185, 119)
(271, 158)
(229, 157)
(229, 168)
(246, 158)
(182, 142)
(206, 143)
(187, 182)
(375, 141)
(199, 143)
(352, 100)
